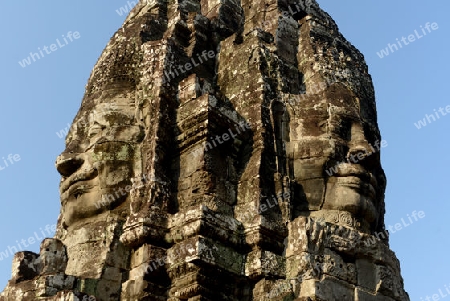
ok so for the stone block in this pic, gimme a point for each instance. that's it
(145, 254)
(24, 267)
(53, 257)
(261, 263)
(327, 289)
(362, 295)
(367, 274)
(206, 251)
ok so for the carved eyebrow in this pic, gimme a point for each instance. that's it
(69, 138)
(97, 123)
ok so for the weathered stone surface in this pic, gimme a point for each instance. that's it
(224, 150)
(24, 267)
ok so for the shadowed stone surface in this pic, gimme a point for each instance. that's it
(224, 150)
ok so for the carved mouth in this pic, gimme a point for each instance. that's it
(358, 184)
(358, 179)
(78, 189)
(77, 184)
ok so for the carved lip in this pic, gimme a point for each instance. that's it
(359, 185)
(77, 190)
(68, 185)
(358, 179)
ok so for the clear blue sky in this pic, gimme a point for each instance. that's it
(42, 98)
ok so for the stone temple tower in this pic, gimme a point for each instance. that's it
(224, 150)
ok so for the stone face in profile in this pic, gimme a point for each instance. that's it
(98, 162)
(98, 165)
(165, 195)
(333, 132)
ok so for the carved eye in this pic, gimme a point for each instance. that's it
(94, 130)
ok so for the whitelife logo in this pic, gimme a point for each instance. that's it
(411, 38)
(188, 66)
(430, 118)
(415, 214)
(31, 240)
(11, 158)
(48, 50)
(124, 10)
(437, 297)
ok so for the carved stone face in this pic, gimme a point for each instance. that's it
(335, 156)
(98, 163)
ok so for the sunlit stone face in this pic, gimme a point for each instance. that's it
(335, 156)
(98, 163)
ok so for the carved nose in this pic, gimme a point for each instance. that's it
(356, 151)
(362, 154)
(67, 164)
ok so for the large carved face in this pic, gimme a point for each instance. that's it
(335, 156)
(98, 163)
